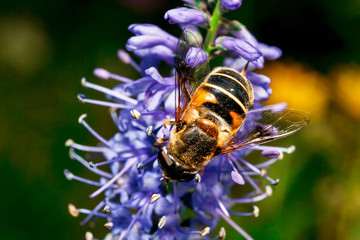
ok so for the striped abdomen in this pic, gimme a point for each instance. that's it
(227, 93)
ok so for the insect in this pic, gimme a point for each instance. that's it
(213, 115)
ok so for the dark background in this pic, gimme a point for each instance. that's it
(47, 46)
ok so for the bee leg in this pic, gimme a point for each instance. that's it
(168, 122)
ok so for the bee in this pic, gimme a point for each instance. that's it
(213, 115)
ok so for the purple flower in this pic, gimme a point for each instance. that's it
(136, 203)
(239, 48)
(185, 15)
(231, 4)
(195, 56)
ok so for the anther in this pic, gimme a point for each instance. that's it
(291, 149)
(197, 178)
(106, 209)
(82, 117)
(92, 165)
(69, 142)
(256, 211)
(263, 172)
(135, 114)
(205, 232)
(124, 56)
(162, 222)
(140, 167)
(73, 210)
(101, 73)
(89, 236)
(149, 130)
(68, 174)
(281, 156)
(155, 197)
(268, 190)
(108, 225)
(222, 233)
(83, 81)
(275, 182)
(81, 98)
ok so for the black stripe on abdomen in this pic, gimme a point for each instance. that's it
(231, 85)
(224, 105)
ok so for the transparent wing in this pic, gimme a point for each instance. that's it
(191, 67)
(265, 125)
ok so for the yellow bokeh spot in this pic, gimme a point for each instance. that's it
(298, 86)
(347, 88)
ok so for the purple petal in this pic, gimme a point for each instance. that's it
(240, 47)
(237, 178)
(158, 52)
(269, 52)
(185, 15)
(139, 85)
(170, 103)
(245, 35)
(150, 29)
(153, 72)
(260, 94)
(258, 79)
(195, 56)
(148, 41)
(231, 4)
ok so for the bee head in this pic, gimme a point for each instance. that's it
(172, 169)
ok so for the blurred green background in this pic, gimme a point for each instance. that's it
(47, 46)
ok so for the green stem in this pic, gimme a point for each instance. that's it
(214, 25)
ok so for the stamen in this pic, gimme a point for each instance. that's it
(221, 205)
(106, 209)
(135, 114)
(162, 222)
(155, 197)
(73, 210)
(97, 214)
(266, 163)
(233, 224)
(258, 171)
(71, 176)
(222, 233)
(126, 167)
(251, 199)
(268, 190)
(92, 131)
(89, 216)
(205, 232)
(74, 155)
(140, 167)
(288, 150)
(105, 74)
(83, 99)
(89, 236)
(247, 178)
(254, 213)
(125, 58)
(71, 143)
(108, 225)
(149, 130)
(108, 91)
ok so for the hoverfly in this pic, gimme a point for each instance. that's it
(213, 115)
